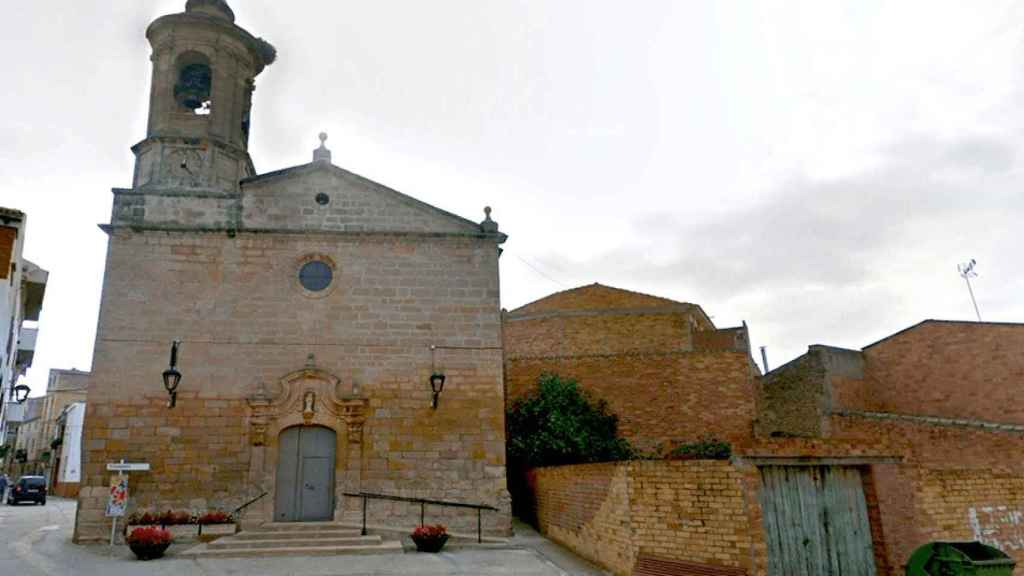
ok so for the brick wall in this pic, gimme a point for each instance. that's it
(982, 505)
(659, 398)
(612, 513)
(664, 370)
(966, 370)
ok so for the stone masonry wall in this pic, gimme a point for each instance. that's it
(613, 513)
(245, 323)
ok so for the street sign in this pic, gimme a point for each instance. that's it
(118, 496)
(128, 467)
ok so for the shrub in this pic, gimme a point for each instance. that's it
(426, 531)
(558, 423)
(707, 448)
(215, 517)
(149, 536)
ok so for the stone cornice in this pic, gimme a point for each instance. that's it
(112, 228)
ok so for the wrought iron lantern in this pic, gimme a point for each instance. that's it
(172, 377)
(20, 393)
(436, 386)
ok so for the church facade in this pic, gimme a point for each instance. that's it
(317, 314)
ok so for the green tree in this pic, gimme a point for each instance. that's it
(558, 423)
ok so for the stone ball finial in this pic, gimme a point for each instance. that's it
(489, 226)
(323, 138)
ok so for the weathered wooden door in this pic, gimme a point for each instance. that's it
(816, 521)
(305, 475)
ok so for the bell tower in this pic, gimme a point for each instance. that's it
(204, 70)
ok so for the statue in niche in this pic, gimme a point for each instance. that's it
(308, 406)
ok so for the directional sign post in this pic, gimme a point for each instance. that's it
(118, 501)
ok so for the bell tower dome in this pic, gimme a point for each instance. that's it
(204, 70)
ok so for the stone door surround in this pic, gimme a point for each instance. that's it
(307, 397)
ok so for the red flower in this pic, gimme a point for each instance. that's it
(149, 536)
(216, 518)
(426, 531)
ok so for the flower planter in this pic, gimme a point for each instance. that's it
(181, 533)
(208, 532)
(149, 551)
(431, 544)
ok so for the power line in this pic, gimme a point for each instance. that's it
(535, 269)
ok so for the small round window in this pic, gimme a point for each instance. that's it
(316, 276)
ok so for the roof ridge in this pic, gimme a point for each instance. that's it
(598, 284)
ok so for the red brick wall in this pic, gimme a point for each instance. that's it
(596, 334)
(942, 473)
(954, 369)
(659, 398)
(660, 365)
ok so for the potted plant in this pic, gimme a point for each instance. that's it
(149, 542)
(430, 538)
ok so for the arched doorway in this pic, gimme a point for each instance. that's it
(305, 475)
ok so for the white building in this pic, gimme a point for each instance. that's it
(69, 473)
(22, 287)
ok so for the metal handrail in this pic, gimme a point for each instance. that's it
(247, 504)
(366, 496)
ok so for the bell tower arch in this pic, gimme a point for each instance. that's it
(204, 71)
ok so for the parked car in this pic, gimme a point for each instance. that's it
(28, 489)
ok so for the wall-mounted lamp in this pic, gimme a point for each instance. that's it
(436, 386)
(172, 377)
(20, 393)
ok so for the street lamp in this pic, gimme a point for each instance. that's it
(20, 393)
(436, 386)
(172, 377)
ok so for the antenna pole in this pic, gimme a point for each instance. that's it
(973, 301)
(967, 272)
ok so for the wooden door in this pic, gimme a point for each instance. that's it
(816, 521)
(305, 475)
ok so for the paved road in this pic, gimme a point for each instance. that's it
(37, 542)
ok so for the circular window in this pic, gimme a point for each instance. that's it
(316, 276)
(323, 199)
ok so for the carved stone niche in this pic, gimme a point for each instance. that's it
(307, 397)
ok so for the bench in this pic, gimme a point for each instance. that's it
(654, 566)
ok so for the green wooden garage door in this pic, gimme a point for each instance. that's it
(816, 521)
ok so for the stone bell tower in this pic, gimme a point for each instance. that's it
(204, 70)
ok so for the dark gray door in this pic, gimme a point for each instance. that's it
(816, 521)
(305, 475)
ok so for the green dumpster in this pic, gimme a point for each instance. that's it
(959, 559)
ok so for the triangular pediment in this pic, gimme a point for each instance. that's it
(323, 197)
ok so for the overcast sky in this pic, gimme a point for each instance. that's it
(815, 168)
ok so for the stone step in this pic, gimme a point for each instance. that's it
(305, 526)
(382, 548)
(263, 534)
(236, 543)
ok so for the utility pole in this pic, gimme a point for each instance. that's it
(967, 272)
